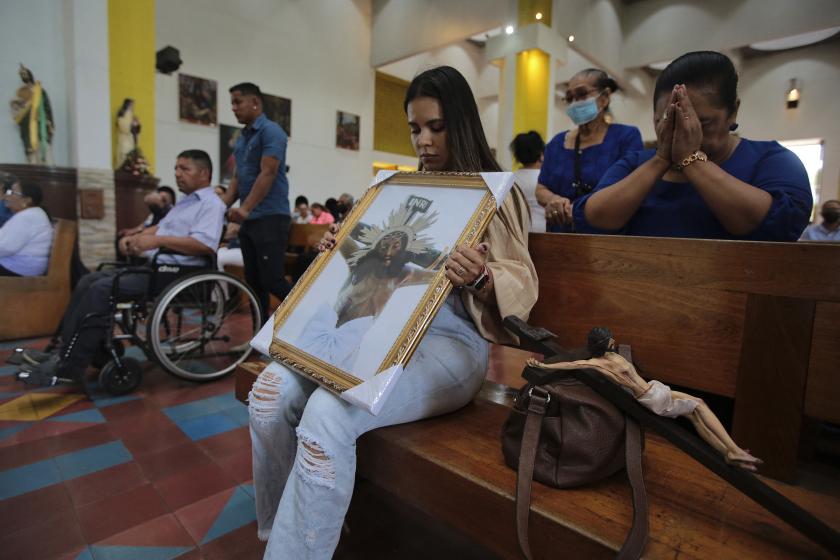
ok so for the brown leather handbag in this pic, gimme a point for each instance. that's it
(564, 434)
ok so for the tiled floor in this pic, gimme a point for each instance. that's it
(162, 473)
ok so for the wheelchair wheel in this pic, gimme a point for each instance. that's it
(201, 325)
(116, 380)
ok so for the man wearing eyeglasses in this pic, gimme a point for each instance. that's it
(575, 160)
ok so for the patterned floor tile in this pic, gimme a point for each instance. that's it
(49, 539)
(120, 512)
(163, 531)
(20, 480)
(36, 406)
(226, 443)
(207, 426)
(92, 459)
(92, 416)
(167, 462)
(241, 543)
(193, 484)
(138, 552)
(33, 508)
(198, 518)
(105, 483)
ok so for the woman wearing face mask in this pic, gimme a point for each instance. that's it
(304, 437)
(702, 180)
(576, 159)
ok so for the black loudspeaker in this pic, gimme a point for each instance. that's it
(168, 60)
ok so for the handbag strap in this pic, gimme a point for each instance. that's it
(537, 403)
(636, 539)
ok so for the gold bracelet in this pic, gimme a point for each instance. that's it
(696, 156)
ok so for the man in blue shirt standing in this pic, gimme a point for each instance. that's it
(260, 184)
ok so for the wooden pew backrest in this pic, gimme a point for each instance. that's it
(749, 320)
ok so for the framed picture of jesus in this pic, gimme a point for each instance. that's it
(355, 317)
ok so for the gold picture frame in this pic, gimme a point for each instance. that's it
(363, 323)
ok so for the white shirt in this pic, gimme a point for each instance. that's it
(527, 181)
(25, 242)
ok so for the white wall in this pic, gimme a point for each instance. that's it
(88, 83)
(316, 53)
(763, 115)
(33, 32)
(658, 30)
(403, 28)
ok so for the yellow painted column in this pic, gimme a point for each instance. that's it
(131, 44)
(533, 74)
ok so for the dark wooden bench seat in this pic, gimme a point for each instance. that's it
(755, 322)
(451, 468)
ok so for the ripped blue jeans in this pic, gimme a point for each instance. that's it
(304, 437)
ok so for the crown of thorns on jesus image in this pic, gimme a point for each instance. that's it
(406, 221)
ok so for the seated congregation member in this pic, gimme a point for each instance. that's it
(26, 238)
(192, 229)
(304, 437)
(528, 150)
(331, 206)
(5, 213)
(575, 160)
(320, 214)
(829, 229)
(159, 202)
(301, 214)
(345, 204)
(701, 181)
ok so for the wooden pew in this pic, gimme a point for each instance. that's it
(451, 467)
(33, 306)
(754, 321)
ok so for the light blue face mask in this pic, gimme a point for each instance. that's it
(583, 111)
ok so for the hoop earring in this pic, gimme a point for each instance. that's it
(733, 127)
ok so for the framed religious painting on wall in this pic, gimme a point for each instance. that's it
(197, 100)
(347, 130)
(354, 319)
(279, 110)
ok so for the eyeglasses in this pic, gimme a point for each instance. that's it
(10, 191)
(579, 95)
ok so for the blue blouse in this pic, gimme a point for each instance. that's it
(558, 169)
(677, 209)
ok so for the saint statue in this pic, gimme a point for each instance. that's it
(128, 128)
(129, 156)
(32, 112)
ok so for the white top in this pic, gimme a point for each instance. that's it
(527, 181)
(25, 242)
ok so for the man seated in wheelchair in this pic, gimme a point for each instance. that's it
(188, 236)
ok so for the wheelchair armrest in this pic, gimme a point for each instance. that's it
(109, 264)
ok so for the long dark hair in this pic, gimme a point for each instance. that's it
(468, 149)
